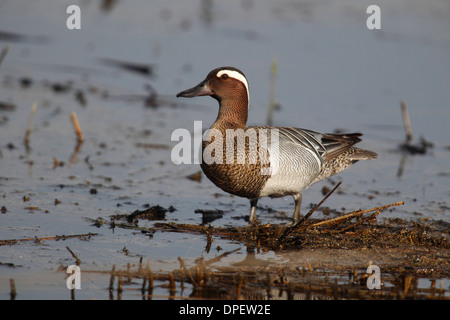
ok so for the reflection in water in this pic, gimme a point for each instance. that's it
(407, 147)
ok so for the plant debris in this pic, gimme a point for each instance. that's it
(419, 148)
(416, 249)
(10, 242)
(349, 231)
(153, 213)
(204, 280)
(209, 216)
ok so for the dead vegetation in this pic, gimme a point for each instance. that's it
(337, 252)
(423, 247)
(38, 240)
(355, 230)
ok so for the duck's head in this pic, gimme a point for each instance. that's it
(225, 84)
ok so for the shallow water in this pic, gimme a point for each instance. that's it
(332, 73)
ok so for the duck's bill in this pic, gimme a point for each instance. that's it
(202, 89)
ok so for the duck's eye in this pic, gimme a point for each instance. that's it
(224, 76)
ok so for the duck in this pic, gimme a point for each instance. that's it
(265, 161)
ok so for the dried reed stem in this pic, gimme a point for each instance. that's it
(13, 289)
(356, 213)
(273, 76)
(3, 53)
(406, 121)
(77, 127)
(77, 261)
(120, 282)
(30, 120)
(150, 282)
(111, 279)
(172, 284)
(318, 205)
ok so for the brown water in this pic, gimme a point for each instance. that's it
(332, 73)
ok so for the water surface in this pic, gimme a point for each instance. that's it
(332, 74)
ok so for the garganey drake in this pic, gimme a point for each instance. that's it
(297, 157)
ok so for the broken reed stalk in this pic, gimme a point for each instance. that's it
(140, 264)
(277, 274)
(80, 138)
(150, 282)
(406, 121)
(239, 286)
(77, 261)
(111, 279)
(77, 127)
(317, 205)
(3, 54)
(172, 284)
(356, 213)
(188, 272)
(144, 285)
(30, 120)
(273, 75)
(12, 285)
(119, 285)
(296, 226)
(128, 273)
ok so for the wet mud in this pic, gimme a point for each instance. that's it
(332, 248)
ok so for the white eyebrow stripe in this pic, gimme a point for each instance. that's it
(238, 76)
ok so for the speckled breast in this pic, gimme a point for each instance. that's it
(233, 158)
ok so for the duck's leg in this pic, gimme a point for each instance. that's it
(298, 202)
(252, 217)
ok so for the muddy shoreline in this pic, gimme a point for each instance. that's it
(331, 261)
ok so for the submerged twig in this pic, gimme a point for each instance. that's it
(62, 237)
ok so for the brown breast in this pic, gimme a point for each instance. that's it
(240, 172)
